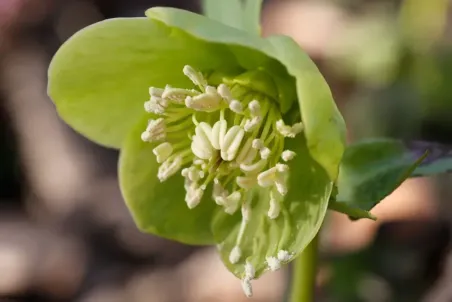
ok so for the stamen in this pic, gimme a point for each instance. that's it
(154, 91)
(254, 168)
(274, 210)
(236, 106)
(284, 256)
(231, 143)
(225, 93)
(163, 151)
(193, 196)
(289, 131)
(288, 155)
(251, 125)
(265, 153)
(178, 95)
(208, 102)
(255, 108)
(196, 77)
(218, 133)
(155, 131)
(258, 144)
(250, 271)
(247, 288)
(235, 255)
(273, 263)
(267, 178)
(169, 168)
(232, 202)
(202, 141)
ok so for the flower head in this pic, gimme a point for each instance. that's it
(236, 143)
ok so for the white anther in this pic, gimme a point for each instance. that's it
(201, 145)
(282, 168)
(250, 125)
(184, 172)
(155, 131)
(169, 168)
(236, 106)
(273, 263)
(155, 105)
(219, 194)
(258, 144)
(281, 185)
(288, 155)
(193, 174)
(246, 213)
(163, 151)
(178, 95)
(267, 178)
(297, 128)
(218, 133)
(232, 202)
(225, 93)
(247, 288)
(265, 152)
(255, 108)
(201, 174)
(231, 143)
(195, 76)
(246, 182)
(289, 131)
(207, 102)
(193, 196)
(250, 271)
(284, 256)
(146, 137)
(154, 91)
(254, 168)
(235, 255)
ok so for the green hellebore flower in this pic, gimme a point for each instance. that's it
(238, 142)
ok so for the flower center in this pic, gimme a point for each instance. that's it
(228, 137)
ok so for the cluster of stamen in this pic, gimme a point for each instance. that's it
(227, 137)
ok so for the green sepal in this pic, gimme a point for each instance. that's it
(159, 207)
(302, 214)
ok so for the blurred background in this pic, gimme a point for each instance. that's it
(65, 234)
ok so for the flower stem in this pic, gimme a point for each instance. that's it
(304, 274)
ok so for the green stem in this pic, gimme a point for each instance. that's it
(304, 274)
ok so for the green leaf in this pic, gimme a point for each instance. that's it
(99, 78)
(241, 14)
(302, 214)
(324, 125)
(159, 208)
(370, 171)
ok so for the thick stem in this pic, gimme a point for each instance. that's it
(304, 274)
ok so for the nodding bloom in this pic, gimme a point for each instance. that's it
(240, 150)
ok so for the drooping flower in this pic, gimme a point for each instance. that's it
(226, 138)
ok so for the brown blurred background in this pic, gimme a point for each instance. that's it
(65, 234)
